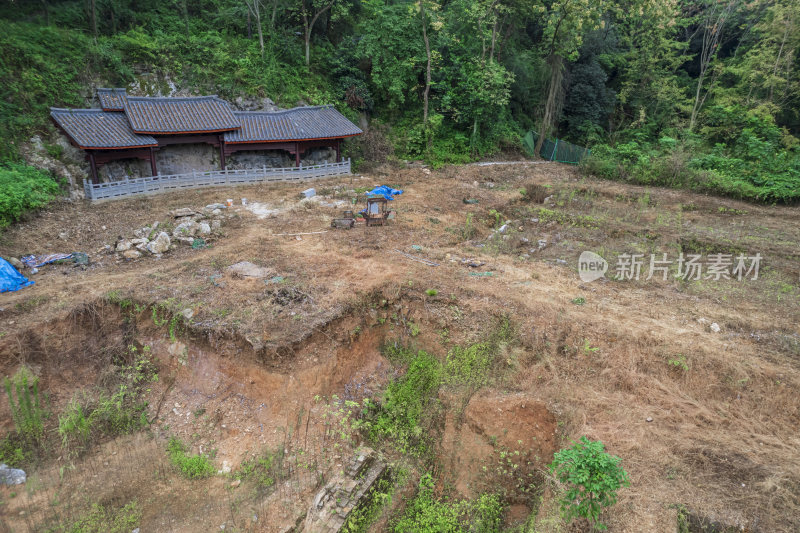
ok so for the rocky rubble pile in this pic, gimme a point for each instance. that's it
(187, 227)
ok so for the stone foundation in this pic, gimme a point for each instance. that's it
(344, 493)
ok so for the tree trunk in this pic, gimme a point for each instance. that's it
(713, 24)
(254, 9)
(93, 18)
(426, 94)
(46, 12)
(185, 14)
(553, 98)
(309, 26)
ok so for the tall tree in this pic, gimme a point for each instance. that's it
(712, 25)
(254, 10)
(566, 23)
(310, 11)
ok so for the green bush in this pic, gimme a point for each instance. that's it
(190, 466)
(23, 188)
(427, 514)
(592, 478)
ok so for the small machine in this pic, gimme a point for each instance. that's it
(376, 213)
(346, 222)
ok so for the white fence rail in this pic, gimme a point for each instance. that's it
(194, 180)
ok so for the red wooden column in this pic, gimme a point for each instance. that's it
(93, 166)
(153, 169)
(338, 150)
(297, 154)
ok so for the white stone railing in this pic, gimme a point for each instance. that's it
(213, 178)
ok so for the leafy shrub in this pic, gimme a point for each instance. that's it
(190, 466)
(405, 404)
(592, 479)
(426, 513)
(26, 409)
(23, 188)
(102, 519)
(262, 470)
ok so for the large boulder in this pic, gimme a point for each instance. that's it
(11, 476)
(160, 244)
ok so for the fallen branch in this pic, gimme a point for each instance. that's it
(293, 234)
(417, 259)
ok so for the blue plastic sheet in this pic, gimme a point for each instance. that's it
(385, 191)
(10, 278)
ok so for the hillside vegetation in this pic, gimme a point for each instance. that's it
(702, 94)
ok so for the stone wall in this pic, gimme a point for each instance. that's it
(123, 168)
(184, 158)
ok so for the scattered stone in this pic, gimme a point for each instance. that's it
(11, 476)
(561, 261)
(534, 220)
(226, 468)
(542, 244)
(182, 212)
(426, 171)
(215, 225)
(503, 228)
(187, 313)
(16, 263)
(203, 228)
(336, 500)
(649, 418)
(160, 244)
(246, 269)
(216, 212)
(236, 483)
(215, 206)
(714, 327)
(188, 241)
(131, 254)
(185, 229)
(309, 193)
(124, 245)
(63, 235)
(139, 241)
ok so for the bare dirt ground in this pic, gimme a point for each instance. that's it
(703, 419)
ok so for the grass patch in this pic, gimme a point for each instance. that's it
(103, 519)
(190, 466)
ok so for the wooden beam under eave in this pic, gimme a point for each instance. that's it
(93, 166)
(153, 168)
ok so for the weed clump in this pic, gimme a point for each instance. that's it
(190, 466)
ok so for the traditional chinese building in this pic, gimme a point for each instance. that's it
(151, 135)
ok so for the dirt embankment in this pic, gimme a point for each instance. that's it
(703, 418)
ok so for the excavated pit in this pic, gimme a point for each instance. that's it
(224, 397)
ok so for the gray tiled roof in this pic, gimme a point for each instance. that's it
(112, 99)
(98, 129)
(300, 123)
(167, 115)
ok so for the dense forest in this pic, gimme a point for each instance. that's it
(702, 94)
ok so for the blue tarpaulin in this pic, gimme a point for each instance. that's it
(10, 278)
(385, 191)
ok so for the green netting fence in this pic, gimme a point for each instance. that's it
(555, 150)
